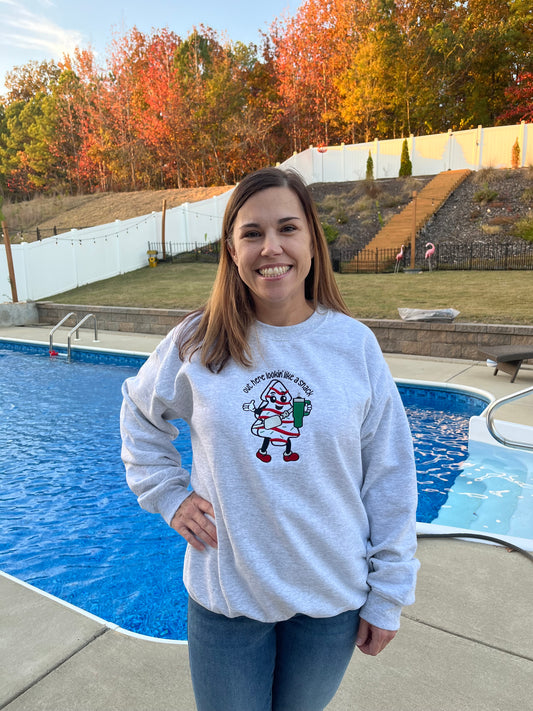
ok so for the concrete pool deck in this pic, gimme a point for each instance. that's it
(466, 643)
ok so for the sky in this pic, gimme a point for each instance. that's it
(45, 29)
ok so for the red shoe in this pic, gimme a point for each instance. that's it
(263, 457)
(292, 457)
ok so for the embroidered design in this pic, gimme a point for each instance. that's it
(279, 418)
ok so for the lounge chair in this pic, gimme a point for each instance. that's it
(508, 358)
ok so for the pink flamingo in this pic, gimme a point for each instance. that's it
(429, 253)
(399, 258)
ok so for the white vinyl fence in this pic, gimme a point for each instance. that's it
(474, 149)
(79, 257)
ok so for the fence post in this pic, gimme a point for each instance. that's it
(38, 233)
(450, 138)
(413, 235)
(522, 144)
(481, 134)
(10, 268)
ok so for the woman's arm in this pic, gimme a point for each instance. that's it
(153, 465)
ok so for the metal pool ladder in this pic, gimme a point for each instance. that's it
(489, 414)
(75, 329)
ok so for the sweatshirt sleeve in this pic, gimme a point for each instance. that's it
(389, 493)
(157, 394)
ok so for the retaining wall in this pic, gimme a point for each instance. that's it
(18, 314)
(422, 338)
(112, 318)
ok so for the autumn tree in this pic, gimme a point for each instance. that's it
(27, 163)
(519, 99)
(310, 50)
(366, 86)
(23, 82)
(162, 111)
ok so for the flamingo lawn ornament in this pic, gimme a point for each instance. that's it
(399, 258)
(429, 253)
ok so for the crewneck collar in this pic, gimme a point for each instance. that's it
(314, 321)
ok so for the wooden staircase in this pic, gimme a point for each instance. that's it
(399, 229)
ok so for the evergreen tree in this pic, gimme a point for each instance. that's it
(369, 167)
(406, 167)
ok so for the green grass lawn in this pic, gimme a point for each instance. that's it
(483, 297)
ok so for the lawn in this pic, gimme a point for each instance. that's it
(483, 297)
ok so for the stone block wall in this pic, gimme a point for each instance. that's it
(423, 338)
(18, 314)
(445, 340)
(111, 318)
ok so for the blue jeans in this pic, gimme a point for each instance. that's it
(240, 664)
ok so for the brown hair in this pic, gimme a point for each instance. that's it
(220, 329)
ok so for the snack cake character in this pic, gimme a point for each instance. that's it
(277, 422)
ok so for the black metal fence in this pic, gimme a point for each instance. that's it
(40, 233)
(474, 256)
(176, 252)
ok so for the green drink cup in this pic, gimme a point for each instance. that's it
(298, 410)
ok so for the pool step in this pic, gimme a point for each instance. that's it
(493, 494)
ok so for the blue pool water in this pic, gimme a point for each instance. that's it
(70, 525)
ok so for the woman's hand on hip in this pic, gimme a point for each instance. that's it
(371, 639)
(191, 522)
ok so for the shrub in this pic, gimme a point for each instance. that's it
(406, 167)
(388, 200)
(524, 228)
(329, 203)
(527, 196)
(340, 216)
(344, 241)
(486, 176)
(331, 233)
(485, 195)
(491, 229)
(369, 167)
(372, 189)
(515, 155)
(365, 204)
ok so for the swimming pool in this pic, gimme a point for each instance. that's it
(72, 527)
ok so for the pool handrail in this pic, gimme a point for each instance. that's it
(76, 329)
(489, 414)
(65, 318)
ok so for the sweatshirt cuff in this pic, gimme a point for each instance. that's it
(381, 612)
(170, 505)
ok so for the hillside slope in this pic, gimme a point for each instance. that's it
(67, 212)
(484, 208)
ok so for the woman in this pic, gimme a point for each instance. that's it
(301, 519)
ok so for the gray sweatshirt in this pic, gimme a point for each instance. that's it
(307, 459)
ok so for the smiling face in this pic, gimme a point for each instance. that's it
(276, 396)
(272, 247)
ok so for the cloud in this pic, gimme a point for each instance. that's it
(27, 30)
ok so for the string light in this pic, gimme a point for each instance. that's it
(126, 229)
